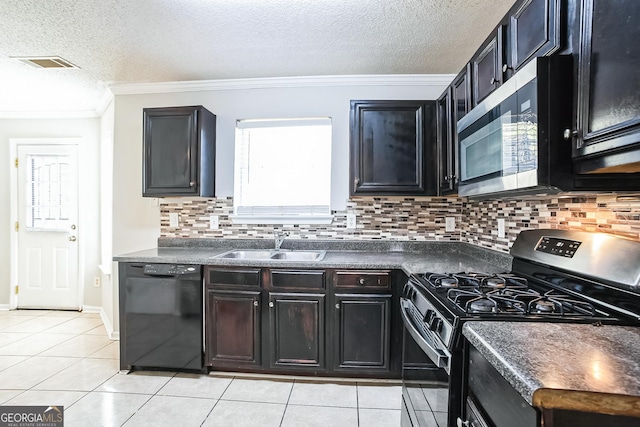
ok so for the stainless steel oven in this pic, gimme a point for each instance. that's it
(556, 276)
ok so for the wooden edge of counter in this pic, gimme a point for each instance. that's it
(585, 401)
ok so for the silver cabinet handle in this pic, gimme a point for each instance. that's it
(493, 80)
(192, 184)
(361, 281)
(72, 238)
(255, 303)
(461, 423)
(271, 304)
(337, 306)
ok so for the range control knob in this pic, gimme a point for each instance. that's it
(435, 325)
(428, 316)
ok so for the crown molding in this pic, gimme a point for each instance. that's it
(80, 114)
(284, 82)
(103, 103)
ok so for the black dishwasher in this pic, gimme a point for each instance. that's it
(161, 316)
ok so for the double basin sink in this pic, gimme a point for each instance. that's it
(273, 255)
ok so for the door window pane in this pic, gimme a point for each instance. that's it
(48, 198)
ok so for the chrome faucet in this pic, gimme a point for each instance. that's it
(279, 237)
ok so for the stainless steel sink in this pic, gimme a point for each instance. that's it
(247, 254)
(267, 255)
(299, 255)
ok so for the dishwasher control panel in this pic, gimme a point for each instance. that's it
(170, 269)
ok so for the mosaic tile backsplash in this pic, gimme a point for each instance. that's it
(422, 218)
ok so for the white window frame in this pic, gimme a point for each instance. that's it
(305, 214)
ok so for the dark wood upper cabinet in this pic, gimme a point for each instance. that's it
(461, 94)
(393, 148)
(534, 27)
(486, 66)
(179, 152)
(445, 134)
(608, 104)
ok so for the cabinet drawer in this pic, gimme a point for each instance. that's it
(300, 279)
(368, 279)
(232, 276)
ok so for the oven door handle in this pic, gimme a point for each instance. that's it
(437, 356)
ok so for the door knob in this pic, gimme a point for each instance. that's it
(72, 238)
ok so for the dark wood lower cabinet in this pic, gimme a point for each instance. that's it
(361, 334)
(233, 328)
(308, 322)
(297, 330)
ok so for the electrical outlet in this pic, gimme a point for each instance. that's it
(214, 222)
(351, 221)
(501, 233)
(96, 281)
(449, 224)
(173, 219)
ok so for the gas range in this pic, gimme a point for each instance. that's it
(506, 294)
(556, 276)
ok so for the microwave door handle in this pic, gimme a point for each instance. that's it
(437, 356)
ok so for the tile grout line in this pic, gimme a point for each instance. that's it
(217, 400)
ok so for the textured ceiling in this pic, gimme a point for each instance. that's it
(136, 41)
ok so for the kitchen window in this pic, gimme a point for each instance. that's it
(283, 171)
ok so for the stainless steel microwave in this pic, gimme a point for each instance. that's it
(517, 141)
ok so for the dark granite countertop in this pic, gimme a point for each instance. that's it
(412, 257)
(565, 366)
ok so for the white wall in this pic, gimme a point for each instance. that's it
(89, 167)
(108, 295)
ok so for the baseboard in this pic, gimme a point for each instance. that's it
(114, 335)
(5, 307)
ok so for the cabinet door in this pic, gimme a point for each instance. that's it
(609, 84)
(445, 143)
(487, 67)
(362, 332)
(179, 152)
(534, 29)
(461, 95)
(233, 328)
(393, 148)
(297, 330)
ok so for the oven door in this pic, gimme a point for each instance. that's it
(424, 384)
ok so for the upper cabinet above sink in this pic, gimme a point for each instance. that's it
(393, 148)
(179, 152)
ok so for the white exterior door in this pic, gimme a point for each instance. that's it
(47, 273)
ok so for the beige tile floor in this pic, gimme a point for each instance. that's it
(66, 358)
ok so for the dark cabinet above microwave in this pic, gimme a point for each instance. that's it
(179, 145)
